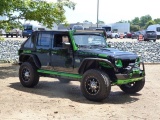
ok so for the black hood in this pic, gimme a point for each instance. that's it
(111, 52)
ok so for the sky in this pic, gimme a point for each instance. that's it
(111, 11)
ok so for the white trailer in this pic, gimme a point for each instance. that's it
(121, 27)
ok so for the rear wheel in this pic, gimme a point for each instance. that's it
(95, 85)
(28, 75)
(134, 87)
(154, 40)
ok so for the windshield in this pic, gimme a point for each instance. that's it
(27, 27)
(90, 41)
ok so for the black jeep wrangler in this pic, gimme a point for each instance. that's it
(83, 56)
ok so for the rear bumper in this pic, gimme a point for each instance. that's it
(132, 75)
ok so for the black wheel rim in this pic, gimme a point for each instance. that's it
(25, 74)
(92, 86)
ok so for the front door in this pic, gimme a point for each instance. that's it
(61, 56)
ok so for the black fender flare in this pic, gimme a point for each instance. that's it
(86, 60)
(30, 56)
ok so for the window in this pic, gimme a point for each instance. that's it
(44, 39)
(59, 40)
(158, 29)
(28, 43)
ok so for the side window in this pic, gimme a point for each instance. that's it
(44, 39)
(59, 40)
(29, 43)
(158, 29)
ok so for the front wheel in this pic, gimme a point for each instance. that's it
(28, 75)
(134, 87)
(95, 85)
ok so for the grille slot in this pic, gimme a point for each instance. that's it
(125, 63)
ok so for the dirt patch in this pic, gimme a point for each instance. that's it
(51, 99)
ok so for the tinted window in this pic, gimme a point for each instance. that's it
(28, 27)
(158, 29)
(28, 43)
(44, 39)
(59, 40)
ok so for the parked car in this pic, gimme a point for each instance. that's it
(129, 35)
(149, 35)
(155, 28)
(135, 35)
(14, 32)
(108, 33)
(114, 34)
(77, 27)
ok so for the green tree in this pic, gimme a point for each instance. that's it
(41, 11)
(151, 22)
(157, 21)
(144, 20)
(136, 21)
(134, 28)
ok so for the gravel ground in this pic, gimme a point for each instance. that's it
(51, 99)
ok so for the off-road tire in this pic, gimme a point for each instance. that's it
(102, 82)
(133, 87)
(63, 80)
(33, 78)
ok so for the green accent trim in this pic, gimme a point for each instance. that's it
(126, 81)
(75, 48)
(104, 65)
(77, 76)
(119, 63)
(27, 51)
(102, 55)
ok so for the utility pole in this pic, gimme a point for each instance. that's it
(97, 12)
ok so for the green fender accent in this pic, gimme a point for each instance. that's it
(75, 48)
(102, 55)
(76, 76)
(104, 64)
(27, 51)
(126, 81)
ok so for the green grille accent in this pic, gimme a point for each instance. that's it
(119, 63)
(77, 76)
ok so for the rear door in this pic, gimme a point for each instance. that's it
(43, 48)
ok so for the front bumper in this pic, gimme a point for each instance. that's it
(135, 73)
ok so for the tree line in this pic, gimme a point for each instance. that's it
(141, 23)
(41, 11)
